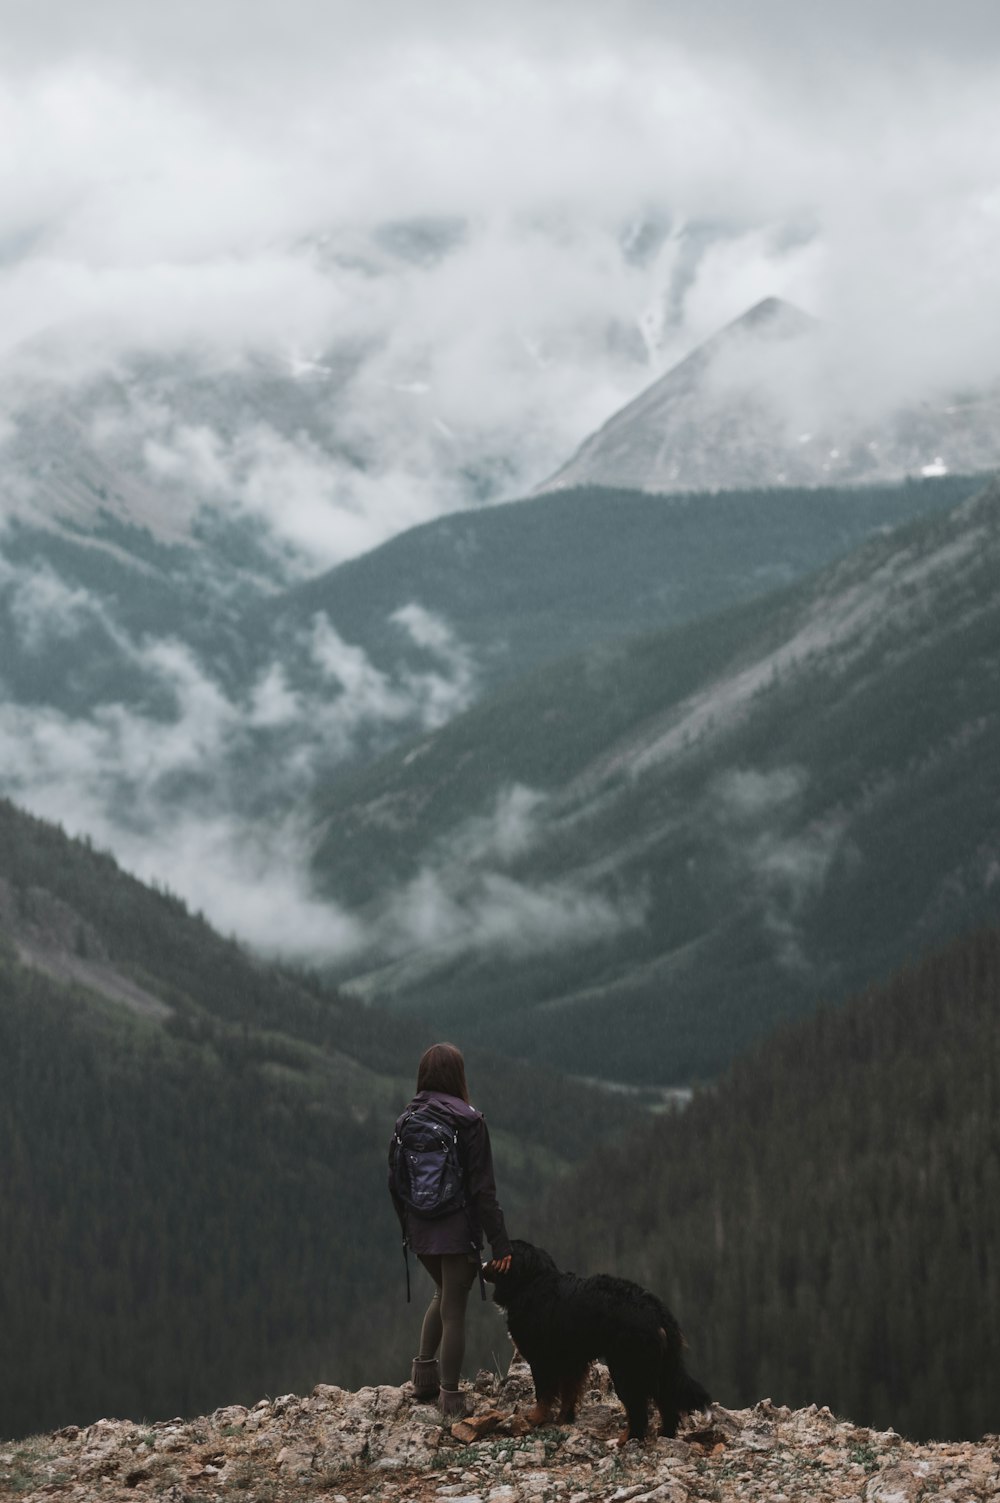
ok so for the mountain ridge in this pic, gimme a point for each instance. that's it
(152, 694)
(718, 787)
(626, 561)
(771, 319)
(755, 405)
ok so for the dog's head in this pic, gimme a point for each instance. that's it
(528, 1264)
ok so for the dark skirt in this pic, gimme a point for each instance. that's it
(442, 1234)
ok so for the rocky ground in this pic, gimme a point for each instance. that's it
(379, 1445)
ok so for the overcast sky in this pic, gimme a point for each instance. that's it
(612, 181)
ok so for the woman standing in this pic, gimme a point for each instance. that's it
(447, 1238)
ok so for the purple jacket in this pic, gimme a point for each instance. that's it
(463, 1230)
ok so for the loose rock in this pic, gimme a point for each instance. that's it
(379, 1446)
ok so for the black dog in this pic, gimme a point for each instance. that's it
(562, 1323)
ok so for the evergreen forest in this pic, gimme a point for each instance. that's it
(193, 1156)
(192, 1177)
(825, 1221)
(529, 582)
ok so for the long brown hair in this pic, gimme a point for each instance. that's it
(442, 1068)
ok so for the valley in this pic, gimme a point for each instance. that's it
(194, 1149)
(629, 786)
(697, 833)
(190, 706)
(600, 753)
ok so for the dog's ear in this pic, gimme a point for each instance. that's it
(533, 1262)
(490, 1271)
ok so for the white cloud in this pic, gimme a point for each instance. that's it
(167, 796)
(273, 702)
(426, 697)
(173, 204)
(251, 882)
(44, 609)
(746, 795)
(784, 862)
(468, 896)
(509, 831)
(230, 183)
(205, 795)
(497, 912)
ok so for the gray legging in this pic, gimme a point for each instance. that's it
(444, 1323)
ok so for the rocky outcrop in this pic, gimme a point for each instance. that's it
(379, 1445)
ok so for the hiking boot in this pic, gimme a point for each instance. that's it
(453, 1404)
(425, 1378)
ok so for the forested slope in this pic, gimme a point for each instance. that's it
(698, 832)
(826, 1222)
(532, 581)
(192, 1155)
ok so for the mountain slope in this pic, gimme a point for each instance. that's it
(755, 406)
(177, 702)
(825, 1221)
(700, 831)
(85, 613)
(530, 581)
(159, 441)
(193, 1147)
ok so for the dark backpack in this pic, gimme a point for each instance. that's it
(427, 1171)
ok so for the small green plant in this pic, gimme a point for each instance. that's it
(463, 1457)
(862, 1454)
(501, 1449)
(21, 1473)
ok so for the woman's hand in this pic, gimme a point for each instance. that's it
(501, 1265)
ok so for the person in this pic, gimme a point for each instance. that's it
(449, 1246)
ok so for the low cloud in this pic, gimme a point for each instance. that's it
(472, 895)
(494, 912)
(389, 262)
(206, 793)
(170, 796)
(249, 881)
(425, 699)
(472, 237)
(511, 830)
(44, 609)
(745, 796)
(139, 788)
(783, 862)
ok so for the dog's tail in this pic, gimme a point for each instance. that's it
(691, 1394)
(686, 1394)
